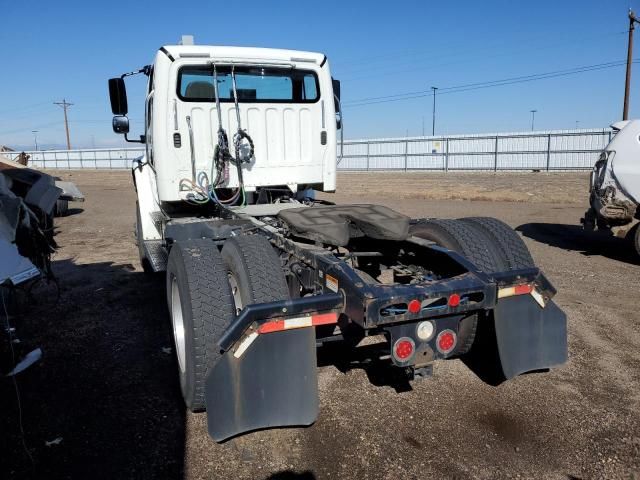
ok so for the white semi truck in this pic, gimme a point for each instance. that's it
(614, 193)
(259, 273)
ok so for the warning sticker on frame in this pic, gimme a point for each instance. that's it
(332, 283)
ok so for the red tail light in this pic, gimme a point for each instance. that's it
(403, 349)
(454, 300)
(414, 306)
(446, 341)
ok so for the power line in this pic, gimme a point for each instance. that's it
(396, 59)
(23, 107)
(65, 105)
(486, 84)
(490, 82)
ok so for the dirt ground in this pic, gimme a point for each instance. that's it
(107, 383)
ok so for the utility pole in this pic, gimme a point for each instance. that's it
(533, 118)
(35, 138)
(64, 104)
(433, 120)
(627, 85)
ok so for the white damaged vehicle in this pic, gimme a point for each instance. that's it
(615, 185)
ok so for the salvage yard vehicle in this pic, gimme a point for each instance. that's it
(259, 273)
(614, 190)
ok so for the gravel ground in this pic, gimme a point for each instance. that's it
(108, 388)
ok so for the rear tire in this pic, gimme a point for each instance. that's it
(254, 271)
(506, 239)
(477, 247)
(201, 307)
(470, 242)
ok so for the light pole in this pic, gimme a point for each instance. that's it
(433, 120)
(35, 138)
(627, 84)
(533, 118)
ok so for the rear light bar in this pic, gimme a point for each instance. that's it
(281, 324)
(526, 289)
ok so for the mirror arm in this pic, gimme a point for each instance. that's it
(142, 139)
(146, 70)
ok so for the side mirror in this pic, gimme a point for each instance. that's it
(336, 102)
(336, 88)
(118, 97)
(120, 124)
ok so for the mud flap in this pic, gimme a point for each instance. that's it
(272, 384)
(529, 337)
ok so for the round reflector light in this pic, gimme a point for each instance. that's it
(446, 341)
(414, 306)
(425, 330)
(454, 300)
(403, 349)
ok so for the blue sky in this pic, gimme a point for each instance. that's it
(69, 49)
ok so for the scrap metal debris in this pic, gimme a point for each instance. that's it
(27, 200)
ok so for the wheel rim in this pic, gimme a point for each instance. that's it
(178, 325)
(235, 291)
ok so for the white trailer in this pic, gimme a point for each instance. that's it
(259, 273)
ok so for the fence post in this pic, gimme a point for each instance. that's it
(446, 155)
(406, 153)
(110, 167)
(368, 144)
(495, 156)
(548, 151)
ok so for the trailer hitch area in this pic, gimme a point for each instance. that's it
(266, 376)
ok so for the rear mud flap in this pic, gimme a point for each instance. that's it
(529, 337)
(272, 384)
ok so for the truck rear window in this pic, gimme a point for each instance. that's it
(254, 85)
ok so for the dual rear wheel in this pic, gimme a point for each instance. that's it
(206, 289)
(488, 243)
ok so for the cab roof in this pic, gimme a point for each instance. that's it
(242, 53)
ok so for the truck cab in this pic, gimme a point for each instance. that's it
(287, 104)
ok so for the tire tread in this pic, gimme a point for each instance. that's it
(505, 238)
(211, 307)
